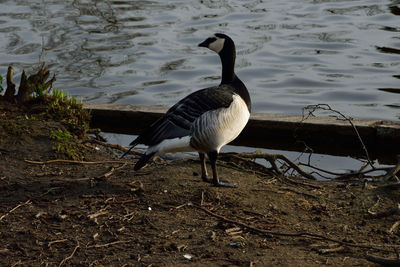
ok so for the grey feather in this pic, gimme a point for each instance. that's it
(178, 120)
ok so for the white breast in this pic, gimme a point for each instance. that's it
(216, 128)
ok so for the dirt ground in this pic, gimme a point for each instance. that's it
(105, 214)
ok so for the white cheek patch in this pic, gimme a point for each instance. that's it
(217, 45)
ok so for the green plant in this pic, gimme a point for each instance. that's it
(65, 144)
(60, 95)
(57, 95)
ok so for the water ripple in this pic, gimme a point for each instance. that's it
(290, 53)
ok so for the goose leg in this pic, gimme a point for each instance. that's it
(216, 181)
(204, 174)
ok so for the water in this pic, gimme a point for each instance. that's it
(290, 53)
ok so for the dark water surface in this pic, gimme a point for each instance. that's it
(290, 53)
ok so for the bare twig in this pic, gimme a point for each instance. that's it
(271, 158)
(76, 162)
(362, 173)
(111, 171)
(394, 171)
(319, 169)
(394, 226)
(378, 200)
(70, 256)
(98, 213)
(312, 108)
(16, 207)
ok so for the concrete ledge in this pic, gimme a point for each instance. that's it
(327, 135)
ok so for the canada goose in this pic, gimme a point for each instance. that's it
(205, 120)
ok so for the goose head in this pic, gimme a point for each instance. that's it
(223, 45)
(219, 43)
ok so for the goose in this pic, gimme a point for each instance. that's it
(205, 120)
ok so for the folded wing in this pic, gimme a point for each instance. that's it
(179, 118)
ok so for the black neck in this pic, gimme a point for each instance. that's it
(228, 67)
(229, 76)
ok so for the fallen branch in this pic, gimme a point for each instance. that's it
(13, 209)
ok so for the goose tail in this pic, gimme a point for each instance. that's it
(132, 145)
(179, 144)
(143, 160)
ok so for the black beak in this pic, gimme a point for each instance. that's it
(207, 42)
(204, 44)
